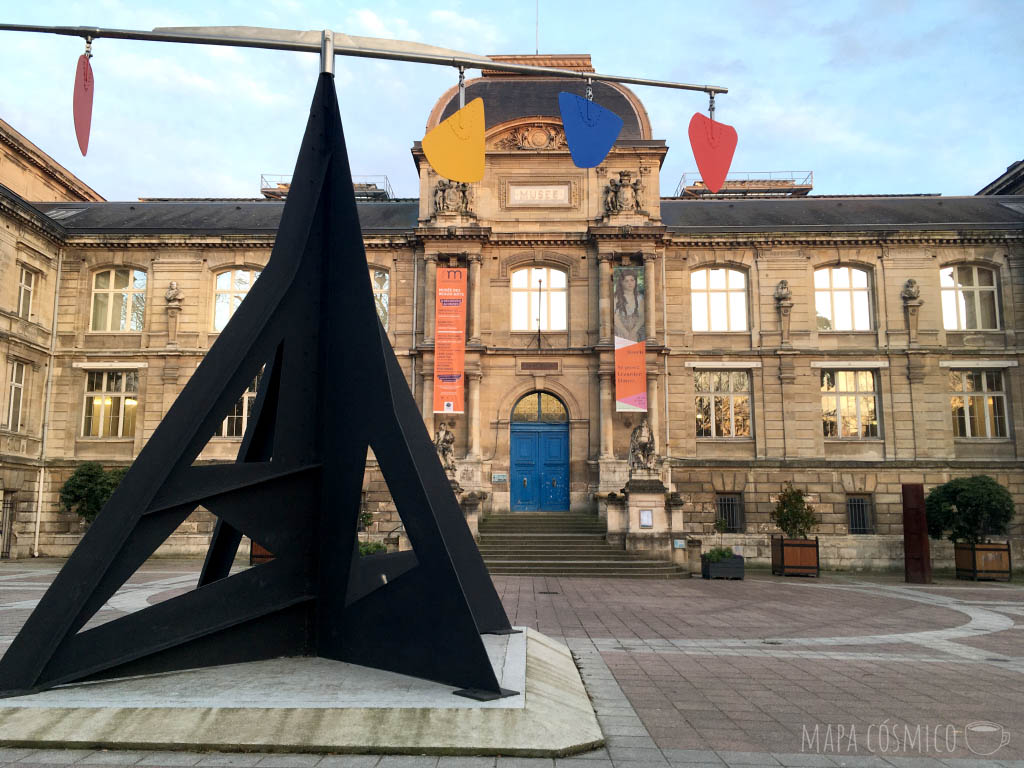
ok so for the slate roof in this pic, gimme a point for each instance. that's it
(512, 98)
(252, 217)
(808, 214)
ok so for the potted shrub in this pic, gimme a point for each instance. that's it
(720, 562)
(969, 510)
(88, 489)
(794, 554)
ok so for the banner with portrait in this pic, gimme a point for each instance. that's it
(450, 340)
(630, 339)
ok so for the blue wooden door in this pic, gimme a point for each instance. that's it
(539, 467)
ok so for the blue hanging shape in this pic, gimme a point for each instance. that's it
(590, 130)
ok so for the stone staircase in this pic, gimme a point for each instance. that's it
(560, 544)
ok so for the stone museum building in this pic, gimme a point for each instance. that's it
(845, 344)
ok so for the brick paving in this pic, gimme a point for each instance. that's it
(847, 670)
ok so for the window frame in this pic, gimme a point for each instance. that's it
(546, 292)
(244, 406)
(15, 387)
(26, 290)
(857, 394)
(725, 499)
(731, 394)
(986, 395)
(129, 294)
(831, 290)
(869, 514)
(105, 393)
(230, 292)
(975, 291)
(384, 292)
(729, 296)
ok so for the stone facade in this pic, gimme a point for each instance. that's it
(534, 208)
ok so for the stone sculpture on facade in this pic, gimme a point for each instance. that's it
(642, 450)
(784, 305)
(623, 195)
(912, 301)
(911, 290)
(444, 442)
(452, 197)
(174, 297)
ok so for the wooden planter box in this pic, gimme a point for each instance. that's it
(723, 569)
(795, 557)
(983, 562)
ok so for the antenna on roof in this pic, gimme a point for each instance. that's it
(536, 41)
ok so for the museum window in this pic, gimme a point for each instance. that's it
(729, 507)
(118, 300)
(722, 403)
(969, 300)
(849, 404)
(16, 395)
(230, 287)
(111, 403)
(978, 404)
(380, 282)
(26, 287)
(539, 295)
(718, 298)
(542, 407)
(858, 513)
(237, 420)
(842, 299)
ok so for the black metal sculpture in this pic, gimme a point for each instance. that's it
(331, 387)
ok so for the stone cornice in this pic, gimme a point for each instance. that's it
(831, 240)
(67, 181)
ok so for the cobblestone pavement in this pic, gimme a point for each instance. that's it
(846, 670)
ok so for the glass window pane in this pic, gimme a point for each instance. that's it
(997, 416)
(986, 276)
(120, 304)
(102, 279)
(740, 381)
(946, 277)
(737, 280)
(719, 382)
(703, 417)
(224, 281)
(551, 409)
(539, 276)
(959, 416)
(868, 417)
(111, 416)
(861, 311)
(723, 419)
(99, 311)
(828, 381)
(956, 382)
(700, 311)
(821, 279)
(860, 278)
(823, 310)
(717, 279)
(381, 280)
(840, 277)
(702, 381)
(221, 311)
(719, 318)
(526, 408)
(520, 278)
(138, 280)
(846, 381)
(520, 312)
(91, 425)
(131, 381)
(965, 275)
(138, 311)
(15, 412)
(699, 280)
(557, 278)
(115, 381)
(972, 381)
(969, 309)
(843, 311)
(558, 315)
(949, 318)
(381, 302)
(121, 278)
(741, 416)
(865, 381)
(18, 373)
(241, 280)
(994, 381)
(976, 416)
(130, 406)
(987, 299)
(848, 416)
(828, 416)
(737, 311)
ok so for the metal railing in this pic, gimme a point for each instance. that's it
(750, 182)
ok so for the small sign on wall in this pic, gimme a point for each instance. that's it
(646, 518)
(499, 477)
(678, 543)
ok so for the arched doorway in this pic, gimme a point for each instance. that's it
(539, 453)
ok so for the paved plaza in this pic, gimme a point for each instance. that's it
(847, 670)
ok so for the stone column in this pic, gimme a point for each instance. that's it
(654, 412)
(428, 393)
(607, 410)
(649, 297)
(474, 414)
(173, 310)
(474, 298)
(604, 296)
(429, 298)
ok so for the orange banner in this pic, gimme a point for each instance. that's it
(450, 340)
(628, 290)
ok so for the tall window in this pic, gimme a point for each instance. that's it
(26, 285)
(380, 281)
(111, 402)
(729, 507)
(719, 300)
(858, 511)
(538, 294)
(969, 299)
(237, 421)
(842, 299)
(723, 403)
(978, 402)
(16, 396)
(849, 404)
(230, 288)
(118, 300)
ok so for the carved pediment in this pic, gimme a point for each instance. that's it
(536, 136)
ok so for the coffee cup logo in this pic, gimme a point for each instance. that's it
(985, 738)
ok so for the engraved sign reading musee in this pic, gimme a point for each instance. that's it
(538, 194)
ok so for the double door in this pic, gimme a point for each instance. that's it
(539, 467)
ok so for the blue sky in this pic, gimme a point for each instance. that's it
(879, 96)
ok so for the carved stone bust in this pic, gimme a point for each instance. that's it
(783, 291)
(174, 295)
(911, 290)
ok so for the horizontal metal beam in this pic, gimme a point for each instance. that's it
(467, 62)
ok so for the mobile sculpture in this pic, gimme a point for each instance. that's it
(309, 324)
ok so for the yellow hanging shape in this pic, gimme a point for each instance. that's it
(455, 149)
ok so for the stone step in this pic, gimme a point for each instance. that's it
(577, 564)
(596, 573)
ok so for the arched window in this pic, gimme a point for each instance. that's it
(538, 293)
(540, 406)
(380, 282)
(230, 287)
(969, 300)
(842, 299)
(118, 300)
(719, 299)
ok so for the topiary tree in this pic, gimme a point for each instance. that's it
(88, 489)
(793, 514)
(969, 509)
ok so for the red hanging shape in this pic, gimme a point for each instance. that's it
(83, 102)
(713, 145)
